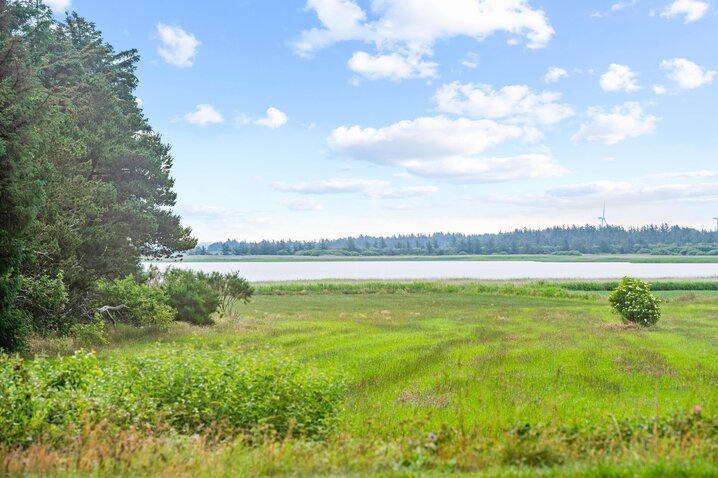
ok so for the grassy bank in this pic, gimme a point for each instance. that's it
(537, 258)
(447, 378)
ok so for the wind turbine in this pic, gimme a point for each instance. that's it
(602, 218)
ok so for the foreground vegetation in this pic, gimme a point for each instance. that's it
(514, 381)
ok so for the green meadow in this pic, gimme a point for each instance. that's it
(479, 380)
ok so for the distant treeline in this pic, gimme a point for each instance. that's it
(575, 240)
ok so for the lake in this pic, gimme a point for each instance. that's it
(408, 270)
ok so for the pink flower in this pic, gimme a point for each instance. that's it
(697, 409)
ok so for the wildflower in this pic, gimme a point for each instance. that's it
(697, 409)
(432, 436)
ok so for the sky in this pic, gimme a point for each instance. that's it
(317, 119)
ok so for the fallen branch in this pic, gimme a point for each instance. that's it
(107, 309)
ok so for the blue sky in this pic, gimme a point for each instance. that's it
(326, 118)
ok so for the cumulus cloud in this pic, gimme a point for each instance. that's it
(691, 10)
(303, 204)
(274, 118)
(620, 123)
(660, 89)
(486, 169)
(59, 5)
(686, 74)
(177, 47)
(393, 66)
(444, 148)
(371, 188)
(554, 75)
(515, 103)
(619, 78)
(405, 31)
(204, 114)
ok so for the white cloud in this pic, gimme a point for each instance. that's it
(632, 190)
(619, 78)
(704, 173)
(424, 138)
(331, 186)
(660, 89)
(177, 47)
(204, 114)
(554, 74)
(392, 66)
(486, 169)
(304, 204)
(58, 5)
(471, 60)
(623, 4)
(515, 103)
(274, 118)
(617, 6)
(405, 31)
(630, 193)
(444, 148)
(371, 188)
(686, 74)
(621, 123)
(691, 9)
(403, 193)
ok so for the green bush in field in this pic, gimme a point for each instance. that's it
(192, 295)
(145, 305)
(44, 300)
(634, 301)
(190, 390)
(231, 288)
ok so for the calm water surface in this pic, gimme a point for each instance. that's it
(288, 271)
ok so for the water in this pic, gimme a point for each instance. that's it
(415, 270)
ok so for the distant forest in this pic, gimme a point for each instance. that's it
(656, 240)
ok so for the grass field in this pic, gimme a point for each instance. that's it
(632, 258)
(447, 380)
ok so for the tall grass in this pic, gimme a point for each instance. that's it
(363, 288)
(656, 286)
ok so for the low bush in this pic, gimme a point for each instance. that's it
(144, 305)
(44, 300)
(231, 288)
(192, 295)
(634, 301)
(178, 390)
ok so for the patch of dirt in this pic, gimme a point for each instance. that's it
(621, 327)
(422, 399)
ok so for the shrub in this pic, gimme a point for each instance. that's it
(192, 295)
(634, 301)
(185, 390)
(89, 334)
(44, 300)
(231, 287)
(145, 305)
(15, 329)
